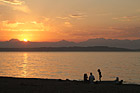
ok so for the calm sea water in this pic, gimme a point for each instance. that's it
(71, 65)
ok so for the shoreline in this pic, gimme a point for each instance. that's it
(71, 80)
(38, 85)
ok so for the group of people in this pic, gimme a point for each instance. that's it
(91, 77)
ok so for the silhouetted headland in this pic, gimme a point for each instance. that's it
(96, 48)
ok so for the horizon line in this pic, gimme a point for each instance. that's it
(70, 40)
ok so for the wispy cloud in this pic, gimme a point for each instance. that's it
(16, 5)
(108, 32)
(76, 16)
(22, 8)
(67, 20)
(14, 2)
(125, 18)
(73, 16)
(127, 32)
(63, 18)
(23, 26)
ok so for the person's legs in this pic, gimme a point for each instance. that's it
(99, 78)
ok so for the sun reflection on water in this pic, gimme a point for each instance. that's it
(24, 66)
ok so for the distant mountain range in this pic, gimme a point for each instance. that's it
(127, 44)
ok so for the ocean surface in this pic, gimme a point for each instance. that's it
(71, 65)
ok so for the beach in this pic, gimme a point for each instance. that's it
(36, 85)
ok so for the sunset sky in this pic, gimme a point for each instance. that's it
(73, 20)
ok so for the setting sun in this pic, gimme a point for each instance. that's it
(25, 40)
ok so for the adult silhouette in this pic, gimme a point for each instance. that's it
(85, 77)
(100, 75)
(91, 78)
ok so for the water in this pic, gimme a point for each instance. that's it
(71, 65)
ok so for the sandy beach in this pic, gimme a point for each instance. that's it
(30, 85)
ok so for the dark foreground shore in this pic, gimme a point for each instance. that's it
(26, 85)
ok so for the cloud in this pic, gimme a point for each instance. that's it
(126, 18)
(127, 32)
(76, 16)
(107, 32)
(63, 18)
(13, 2)
(23, 26)
(73, 16)
(68, 24)
(22, 8)
(67, 20)
(16, 5)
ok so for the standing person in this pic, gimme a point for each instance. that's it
(91, 78)
(85, 77)
(100, 75)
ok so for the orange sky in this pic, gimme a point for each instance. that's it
(73, 20)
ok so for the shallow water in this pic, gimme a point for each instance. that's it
(72, 65)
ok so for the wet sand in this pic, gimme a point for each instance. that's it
(26, 85)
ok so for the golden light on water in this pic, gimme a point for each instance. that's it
(24, 70)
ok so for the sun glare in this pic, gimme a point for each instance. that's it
(25, 40)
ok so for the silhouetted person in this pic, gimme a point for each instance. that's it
(100, 75)
(91, 78)
(85, 77)
(121, 82)
(117, 79)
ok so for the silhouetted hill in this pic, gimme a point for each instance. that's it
(13, 40)
(129, 44)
